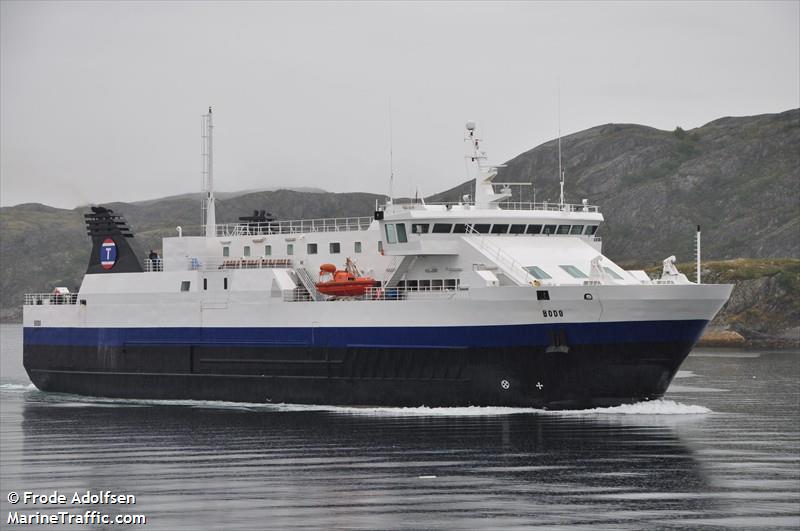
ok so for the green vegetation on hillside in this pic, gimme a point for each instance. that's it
(765, 303)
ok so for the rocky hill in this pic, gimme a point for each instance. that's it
(737, 177)
(764, 308)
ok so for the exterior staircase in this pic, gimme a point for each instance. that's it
(309, 283)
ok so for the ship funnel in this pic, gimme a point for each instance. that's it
(111, 251)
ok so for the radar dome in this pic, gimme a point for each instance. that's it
(470, 125)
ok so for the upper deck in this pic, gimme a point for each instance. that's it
(416, 209)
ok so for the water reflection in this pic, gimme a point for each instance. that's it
(325, 469)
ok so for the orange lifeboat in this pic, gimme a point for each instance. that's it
(343, 283)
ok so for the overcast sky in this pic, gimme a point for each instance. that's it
(101, 101)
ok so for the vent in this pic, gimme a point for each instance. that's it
(103, 222)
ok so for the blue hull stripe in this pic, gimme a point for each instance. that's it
(383, 337)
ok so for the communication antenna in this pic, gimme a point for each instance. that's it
(207, 174)
(391, 154)
(560, 170)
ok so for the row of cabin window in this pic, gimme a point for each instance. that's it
(436, 283)
(311, 248)
(396, 233)
(540, 274)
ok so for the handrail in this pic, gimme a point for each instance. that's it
(39, 299)
(152, 265)
(293, 226)
(513, 268)
(406, 293)
(505, 205)
(214, 263)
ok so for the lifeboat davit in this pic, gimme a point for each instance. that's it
(343, 283)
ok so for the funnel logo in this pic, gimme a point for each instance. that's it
(108, 253)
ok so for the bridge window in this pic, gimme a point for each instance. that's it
(247, 250)
(573, 271)
(335, 247)
(534, 229)
(401, 233)
(612, 273)
(537, 272)
(420, 228)
(459, 228)
(391, 235)
(517, 229)
(357, 247)
(499, 229)
(549, 229)
(267, 250)
(482, 228)
(442, 228)
(185, 285)
(311, 248)
(590, 230)
(563, 229)
(576, 229)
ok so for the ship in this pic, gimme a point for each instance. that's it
(485, 301)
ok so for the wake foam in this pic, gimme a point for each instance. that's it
(653, 407)
(17, 387)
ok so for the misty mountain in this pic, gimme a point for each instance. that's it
(739, 178)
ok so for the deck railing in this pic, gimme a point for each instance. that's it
(152, 265)
(293, 226)
(507, 205)
(216, 262)
(379, 294)
(39, 299)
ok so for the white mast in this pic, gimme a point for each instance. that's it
(391, 155)
(560, 170)
(207, 156)
(485, 196)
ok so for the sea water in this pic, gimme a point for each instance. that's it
(721, 450)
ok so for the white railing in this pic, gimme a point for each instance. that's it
(297, 295)
(153, 265)
(506, 205)
(512, 267)
(405, 293)
(379, 294)
(38, 299)
(293, 226)
(216, 262)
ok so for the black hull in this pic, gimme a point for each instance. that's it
(579, 376)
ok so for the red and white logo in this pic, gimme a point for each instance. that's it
(108, 253)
